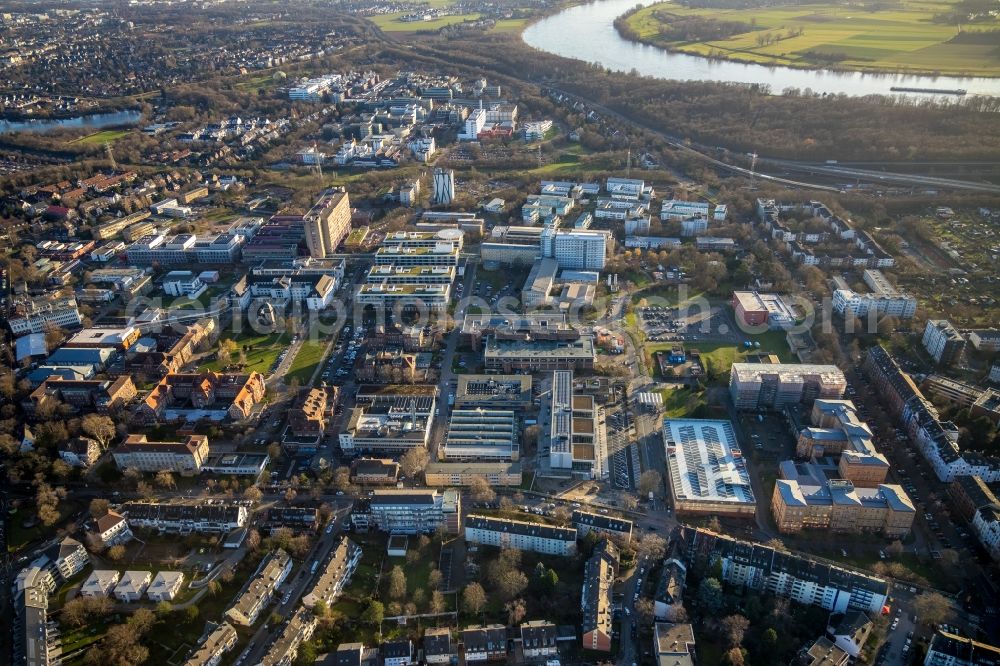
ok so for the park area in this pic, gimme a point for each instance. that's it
(909, 36)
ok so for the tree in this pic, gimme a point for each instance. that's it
(320, 609)
(561, 514)
(480, 490)
(191, 613)
(710, 597)
(649, 482)
(516, 610)
(511, 583)
(414, 461)
(145, 490)
(734, 627)
(434, 579)
(932, 608)
(274, 450)
(252, 494)
(397, 583)
(227, 348)
(437, 602)
(374, 613)
(894, 549)
(165, 479)
(474, 598)
(652, 546)
(770, 636)
(116, 552)
(714, 525)
(644, 611)
(99, 507)
(98, 426)
(290, 495)
(253, 540)
(734, 657)
(342, 479)
(47, 504)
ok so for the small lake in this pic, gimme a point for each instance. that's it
(93, 121)
(587, 32)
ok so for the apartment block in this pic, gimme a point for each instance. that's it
(947, 649)
(942, 341)
(285, 648)
(454, 474)
(775, 385)
(604, 525)
(185, 458)
(761, 568)
(521, 535)
(186, 518)
(214, 644)
(836, 505)
(327, 223)
(409, 511)
(884, 299)
(260, 589)
(596, 607)
(336, 574)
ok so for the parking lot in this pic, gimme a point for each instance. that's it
(687, 324)
(622, 454)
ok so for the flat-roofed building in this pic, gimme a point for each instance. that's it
(883, 299)
(236, 464)
(519, 534)
(706, 468)
(450, 474)
(575, 442)
(775, 385)
(409, 511)
(375, 472)
(119, 338)
(756, 309)
(947, 649)
(539, 355)
(390, 418)
(482, 435)
(298, 519)
(984, 339)
(493, 391)
(610, 526)
(942, 341)
(214, 644)
(259, 590)
(335, 575)
(185, 458)
(327, 223)
(674, 644)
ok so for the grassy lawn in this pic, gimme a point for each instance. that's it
(306, 361)
(510, 25)
(98, 138)
(203, 301)
(903, 37)
(681, 403)
(261, 352)
(392, 22)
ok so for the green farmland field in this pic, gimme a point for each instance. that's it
(104, 136)
(902, 36)
(392, 22)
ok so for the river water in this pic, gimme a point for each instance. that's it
(92, 121)
(587, 32)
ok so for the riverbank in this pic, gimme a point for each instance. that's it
(904, 41)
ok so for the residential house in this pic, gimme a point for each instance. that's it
(113, 529)
(486, 643)
(80, 451)
(100, 583)
(132, 585)
(165, 586)
(398, 653)
(538, 640)
(437, 645)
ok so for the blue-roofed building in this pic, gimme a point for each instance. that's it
(99, 357)
(30, 345)
(38, 376)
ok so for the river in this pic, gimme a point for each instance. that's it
(587, 32)
(92, 121)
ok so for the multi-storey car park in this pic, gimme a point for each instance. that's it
(706, 468)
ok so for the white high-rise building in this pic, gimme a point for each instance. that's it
(444, 187)
(474, 124)
(578, 249)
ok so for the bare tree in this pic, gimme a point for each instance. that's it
(932, 608)
(474, 598)
(649, 482)
(397, 583)
(735, 627)
(414, 461)
(480, 490)
(516, 610)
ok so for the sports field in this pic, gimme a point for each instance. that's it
(392, 22)
(883, 36)
(104, 136)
